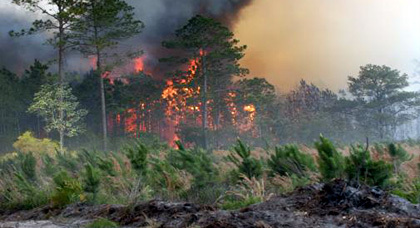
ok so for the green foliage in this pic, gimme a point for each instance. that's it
(103, 24)
(244, 162)
(91, 181)
(411, 192)
(28, 143)
(67, 160)
(380, 91)
(102, 223)
(360, 168)
(67, 190)
(234, 204)
(197, 162)
(20, 194)
(50, 167)
(27, 164)
(330, 161)
(289, 160)
(138, 154)
(168, 180)
(398, 155)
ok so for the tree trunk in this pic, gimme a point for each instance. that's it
(103, 102)
(61, 75)
(61, 141)
(204, 105)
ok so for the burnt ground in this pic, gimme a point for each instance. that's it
(321, 205)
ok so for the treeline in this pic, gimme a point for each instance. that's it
(375, 106)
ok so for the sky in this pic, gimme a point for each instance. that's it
(321, 41)
(325, 41)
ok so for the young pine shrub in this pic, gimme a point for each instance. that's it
(67, 160)
(289, 160)
(246, 164)
(49, 167)
(330, 161)
(138, 157)
(18, 193)
(197, 162)
(91, 181)
(361, 168)
(27, 164)
(398, 155)
(68, 190)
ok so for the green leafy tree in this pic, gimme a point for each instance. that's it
(217, 53)
(100, 28)
(59, 108)
(383, 102)
(330, 161)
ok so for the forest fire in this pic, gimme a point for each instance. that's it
(181, 102)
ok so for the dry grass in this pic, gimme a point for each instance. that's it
(251, 188)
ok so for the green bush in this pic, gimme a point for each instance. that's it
(197, 162)
(102, 223)
(68, 161)
(411, 192)
(330, 161)
(168, 180)
(27, 164)
(360, 168)
(289, 160)
(28, 143)
(18, 193)
(245, 163)
(68, 190)
(138, 157)
(91, 181)
(398, 155)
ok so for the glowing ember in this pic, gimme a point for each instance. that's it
(249, 108)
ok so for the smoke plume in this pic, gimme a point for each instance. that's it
(161, 17)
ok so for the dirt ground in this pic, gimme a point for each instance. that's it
(320, 205)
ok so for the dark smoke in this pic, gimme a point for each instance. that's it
(161, 17)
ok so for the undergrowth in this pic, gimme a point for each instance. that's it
(139, 172)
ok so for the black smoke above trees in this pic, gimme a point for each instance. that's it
(161, 17)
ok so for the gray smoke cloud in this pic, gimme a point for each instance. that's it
(161, 17)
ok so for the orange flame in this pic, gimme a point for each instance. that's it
(93, 61)
(138, 64)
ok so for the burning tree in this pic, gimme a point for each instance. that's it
(101, 26)
(213, 54)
